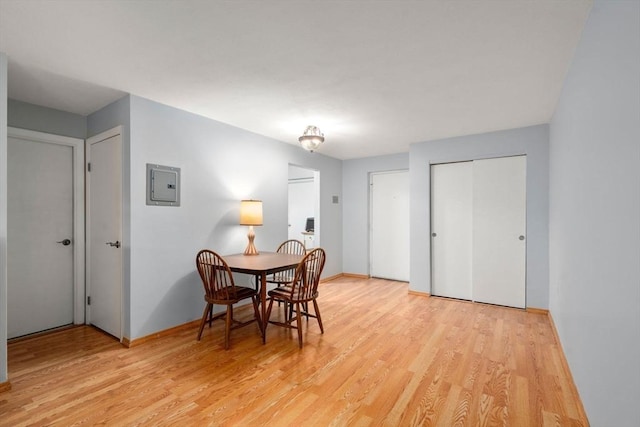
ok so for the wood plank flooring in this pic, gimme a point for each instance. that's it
(386, 358)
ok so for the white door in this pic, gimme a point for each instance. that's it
(478, 221)
(499, 230)
(451, 225)
(44, 236)
(389, 192)
(104, 231)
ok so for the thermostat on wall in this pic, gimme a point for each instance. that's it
(163, 185)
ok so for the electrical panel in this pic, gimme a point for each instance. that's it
(163, 185)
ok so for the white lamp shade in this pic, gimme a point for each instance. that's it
(251, 212)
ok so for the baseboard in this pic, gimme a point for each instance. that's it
(420, 294)
(138, 341)
(565, 366)
(537, 310)
(356, 276)
(5, 386)
(330, 278)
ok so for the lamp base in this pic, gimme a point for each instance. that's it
(251, 248)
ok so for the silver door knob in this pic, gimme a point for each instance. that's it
(114, 244)
(65, 242)
(521, 238)
(433, 234)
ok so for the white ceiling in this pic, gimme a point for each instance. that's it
(375, 76)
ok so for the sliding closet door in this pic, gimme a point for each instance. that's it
(451, 222)
(499, 226)
(478, 225)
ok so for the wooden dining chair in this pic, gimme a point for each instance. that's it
(220, 289)
(302, 290)
(293, 247)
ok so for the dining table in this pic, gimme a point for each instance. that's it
(261, 266)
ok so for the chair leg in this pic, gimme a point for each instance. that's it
(207, 309)
(299, 322)
(256, 304)
(210, 314)
(315, 306)
(266, 322)
(227, 328)
(257, 314)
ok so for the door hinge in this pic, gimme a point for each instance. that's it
(88, 300)
(88, 167)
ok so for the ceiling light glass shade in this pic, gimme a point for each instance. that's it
(311, 138)
(251, 212)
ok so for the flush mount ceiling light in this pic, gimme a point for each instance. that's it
(311, 138)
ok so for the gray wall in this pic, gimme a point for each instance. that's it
(220, 165)
(532, 141)
(595, 215)
(355, 208)
(33, 117)
(3, 217)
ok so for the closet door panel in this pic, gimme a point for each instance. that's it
(451, 219)
(499, 230)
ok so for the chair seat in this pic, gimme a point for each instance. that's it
(284, 294)
(282, 290)
(241, 292)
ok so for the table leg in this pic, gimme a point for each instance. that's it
(263, 306)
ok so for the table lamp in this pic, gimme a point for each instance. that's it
(251, 214)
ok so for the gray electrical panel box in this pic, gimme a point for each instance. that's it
(163, 185)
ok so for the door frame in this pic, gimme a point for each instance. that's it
(110, 133)
(77, 147)
(316, 201)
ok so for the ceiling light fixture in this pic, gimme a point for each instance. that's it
(311, 138)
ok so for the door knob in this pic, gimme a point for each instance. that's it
(114, 244)
(65, 242)
(433, 234)
(521, 237)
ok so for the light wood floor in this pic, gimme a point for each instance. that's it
(386, 358)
